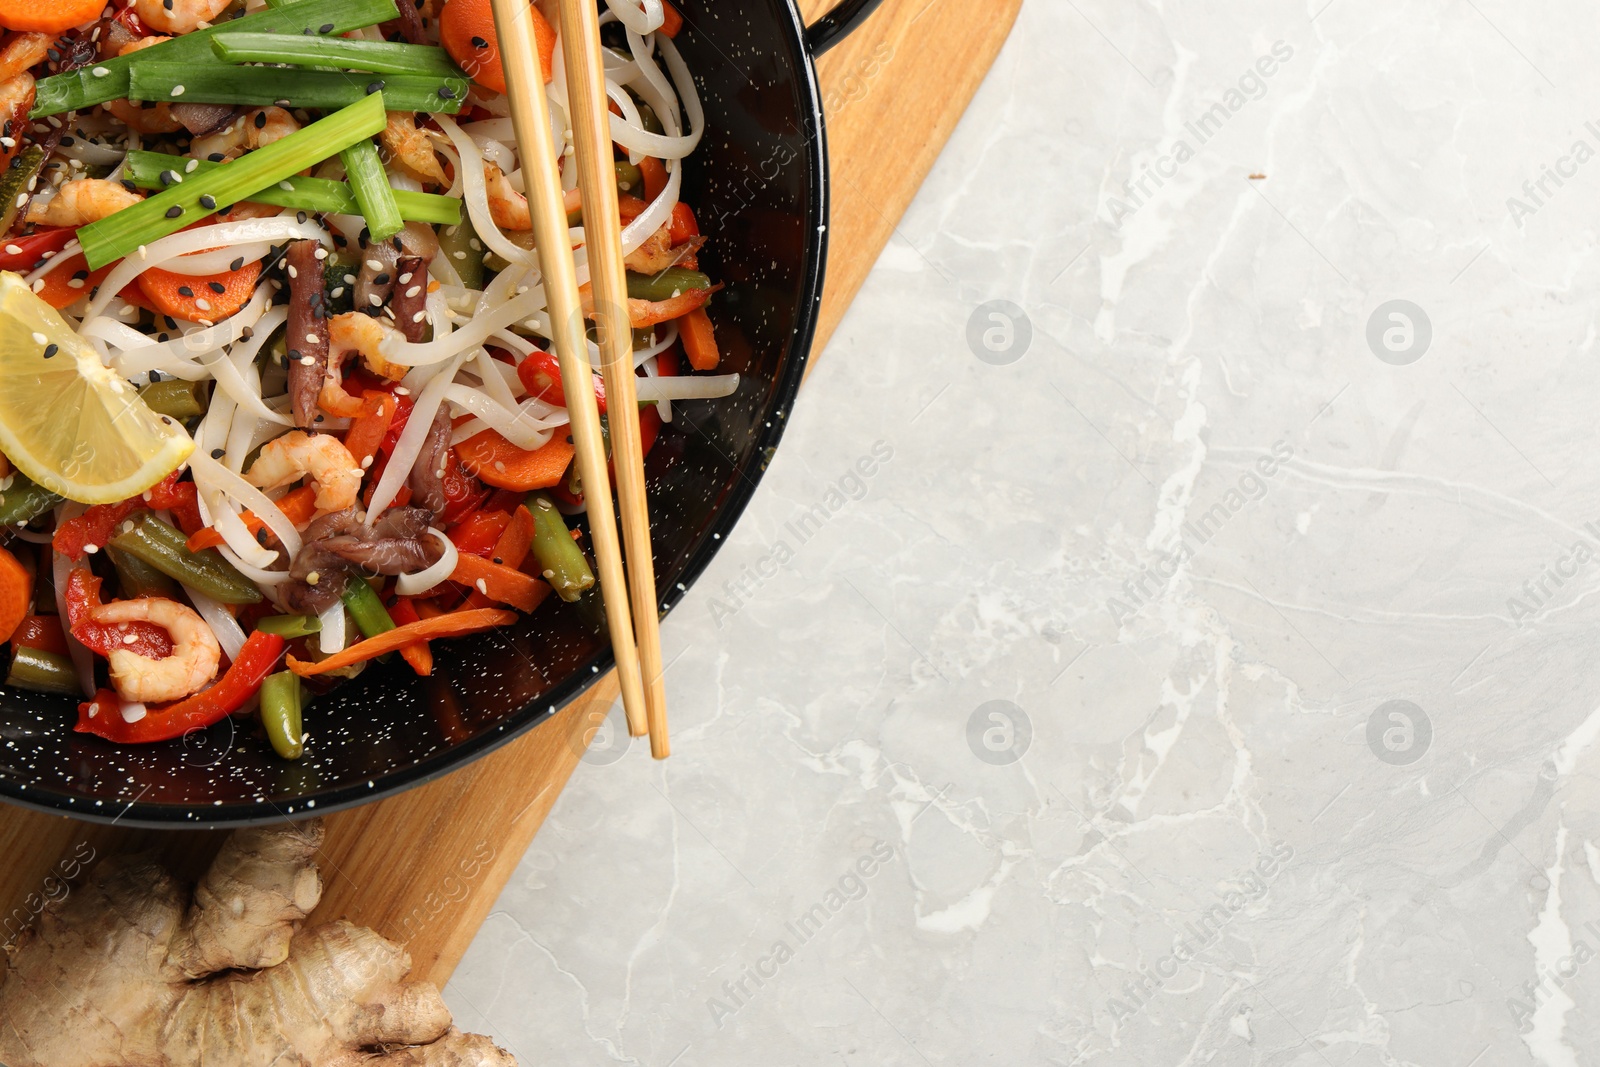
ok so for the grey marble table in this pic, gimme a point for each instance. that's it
(1167, 633)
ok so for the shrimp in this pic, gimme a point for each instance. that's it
(254, 129)
(195, 652)
(22, 51)
(355, 331)
(178, 16)
(507, 207)
(412, 148)
(82, 201)
(144, 118)
(322, 459)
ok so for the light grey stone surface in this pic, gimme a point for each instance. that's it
(1197, 539)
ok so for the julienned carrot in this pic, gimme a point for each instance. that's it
(417, 654)
(699, 340)
(16, 591)
(513, 547)
(500, 463)
(298, 506)
(655, 177)
(58, 16)
(466, 29)
(455, 624)
(499, 582)
(192, 298)
(366, 432)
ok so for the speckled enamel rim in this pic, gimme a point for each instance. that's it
(804, 45)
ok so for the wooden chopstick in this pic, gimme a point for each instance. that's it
(597, 179)
(530, 118)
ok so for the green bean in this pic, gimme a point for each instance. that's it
(176, 397)
(372, 618)
(290, 626)
(647, 117)
(560, 559)
(629, 177)
(24, 501)
(163, 547)
(665, 285)
(456, 244)
(138, 578)
(280, 714)
(42, 672)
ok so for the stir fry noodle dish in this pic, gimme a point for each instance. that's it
(276, 391)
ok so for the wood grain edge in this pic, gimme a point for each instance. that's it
(895, 90)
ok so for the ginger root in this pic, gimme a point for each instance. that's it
(121, 974)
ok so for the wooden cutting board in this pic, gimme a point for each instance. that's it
(894, 92)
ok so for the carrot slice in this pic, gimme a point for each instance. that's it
(672, 25)
(58, 16)
(512, 548)
(366, 432)
(499, 582)
(503, 465)
(655, 177)
(466, 29)
(455, 624)
(417, 654)
(16, 590)
(59, 290)
(298, 506)
(191, 297)
(699, 340)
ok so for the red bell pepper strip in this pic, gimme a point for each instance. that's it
(31, 249)
(477, 533)
(83, 596)
(540, 373)
(42, 632)
(180, 498)
(102, 716)
(94, 527)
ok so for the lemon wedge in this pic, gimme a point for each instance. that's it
(68, 421)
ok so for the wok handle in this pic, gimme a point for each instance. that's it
(838, 24)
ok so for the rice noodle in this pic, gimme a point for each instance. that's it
(423, 580)
(694, 387)
(208, 471)
(640, 16)
(515, 425)
(475, 193)
(331, 639)
(223, 625)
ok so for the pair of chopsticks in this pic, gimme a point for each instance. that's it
(635, 628)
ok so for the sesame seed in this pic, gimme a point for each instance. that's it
(313, 578)
(483, 587)
(40, 339)
(337, 293)
(177, 90)
(401, 390)
(208, 201)
(405, 279)
(100, 72)
(375, 300)
(218, 453)
(293, 273)
(203, 304)
(174, 211)
(13, 250)
(91, 549)
(413, 291)
(311, 338)
(419, 316)
(374, 87)
(51, 350)
(217, 287)
(237, 264)
(307, 361)
(185, 291)
(321, 253)
(191, 166)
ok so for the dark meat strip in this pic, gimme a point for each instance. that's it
(410, 298)
(408, 25)
(376, 280)
(201, 119)
(308, 331)
(339, 546)
(427, 484)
